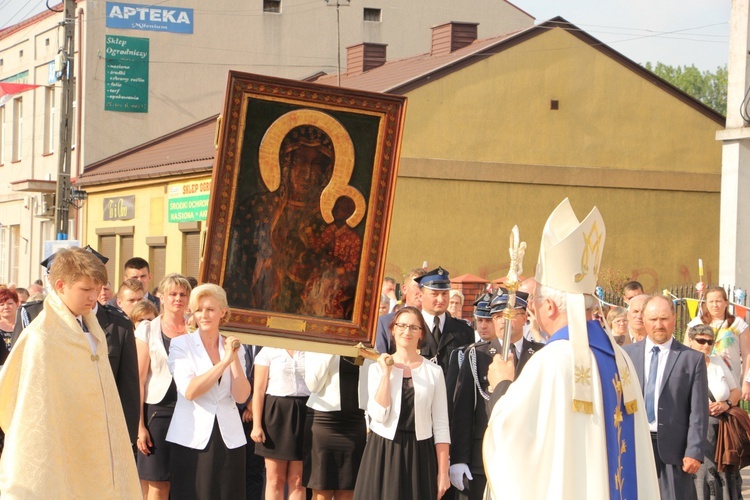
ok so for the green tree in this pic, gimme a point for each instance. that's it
(709, 88)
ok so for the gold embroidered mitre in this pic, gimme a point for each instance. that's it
(569, 258)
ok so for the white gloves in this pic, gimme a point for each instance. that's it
(457, 473)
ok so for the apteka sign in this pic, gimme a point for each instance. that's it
(131, 16)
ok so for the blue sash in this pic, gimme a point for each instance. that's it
(619, 425)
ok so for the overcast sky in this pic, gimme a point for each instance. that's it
(675, 32)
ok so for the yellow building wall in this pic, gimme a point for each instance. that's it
(498, 110)
(483, 151)
(150, 220)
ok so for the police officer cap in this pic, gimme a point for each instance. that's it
(500, 301)
(482, 306)
(48, 261)
(437, 279)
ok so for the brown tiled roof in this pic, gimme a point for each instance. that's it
(403, 75)
(393, 75)
(185, 151)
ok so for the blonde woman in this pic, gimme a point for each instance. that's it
(158, 390)
(208, 441)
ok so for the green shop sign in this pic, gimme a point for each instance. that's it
(188, 208)
(126, 74)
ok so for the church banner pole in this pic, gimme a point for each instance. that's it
(517, 250)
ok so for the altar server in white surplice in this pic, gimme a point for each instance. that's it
(573, 426)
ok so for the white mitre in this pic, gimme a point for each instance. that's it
(569, 258)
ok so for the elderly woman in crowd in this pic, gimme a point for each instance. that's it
(617, 317)
(335, 431)
(208, 451)
(158, 390)
(406, 455)
(730, 333)
(456, 304)
(279, 410)
(8, 307)
(723, 393)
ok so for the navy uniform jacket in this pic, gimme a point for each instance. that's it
(123, 357)
(471, 400)
(456, 334)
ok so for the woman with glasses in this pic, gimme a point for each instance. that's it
(406, 455)
(723, 394)
(617, 317)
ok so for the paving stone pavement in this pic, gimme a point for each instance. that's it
(745, 482)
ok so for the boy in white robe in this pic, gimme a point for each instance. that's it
(65, 431)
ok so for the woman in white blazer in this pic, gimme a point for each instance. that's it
(208, 453)
(158, 391)
(406, 455)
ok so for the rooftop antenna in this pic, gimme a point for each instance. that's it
(338, 4)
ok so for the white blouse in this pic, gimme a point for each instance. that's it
(720, 379)
(286, 374)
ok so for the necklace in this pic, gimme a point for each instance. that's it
(179, 329)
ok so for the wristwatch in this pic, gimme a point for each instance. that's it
(728, 402)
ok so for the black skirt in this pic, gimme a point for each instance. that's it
(334, 443)
(284, 427)
(401, 468)
(156, 466)
(216, 472)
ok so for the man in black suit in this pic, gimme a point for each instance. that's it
(470, 409)
(446, 333)
(123, 359)
(138, 268)
(521, 348)
(411, 297)
(674, 381)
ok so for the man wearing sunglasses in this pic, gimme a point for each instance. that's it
(675, 387)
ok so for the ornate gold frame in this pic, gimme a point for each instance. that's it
(285, 104)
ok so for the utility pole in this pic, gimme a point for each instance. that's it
(338, 4)
(65, 58)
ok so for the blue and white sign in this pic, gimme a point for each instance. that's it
(131, 16)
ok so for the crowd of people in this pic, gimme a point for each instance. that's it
(181, 410)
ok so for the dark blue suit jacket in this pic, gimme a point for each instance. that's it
(383, 341)
(683, 401)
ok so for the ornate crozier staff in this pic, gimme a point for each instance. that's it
(511, 284)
